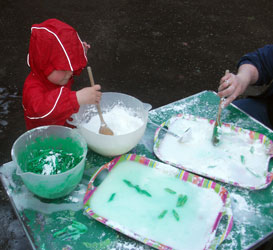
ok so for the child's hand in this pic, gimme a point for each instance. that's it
(89, 95)
(86, 46)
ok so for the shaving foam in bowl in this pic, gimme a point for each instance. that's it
(50, 160)
(125, 115)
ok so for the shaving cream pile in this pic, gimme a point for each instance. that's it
(237, 158)
(119, 119)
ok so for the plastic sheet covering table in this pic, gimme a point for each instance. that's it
(61, 224)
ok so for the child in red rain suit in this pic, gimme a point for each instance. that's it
(56, 53)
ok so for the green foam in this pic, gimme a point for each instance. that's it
(72, 231)
(60, 154)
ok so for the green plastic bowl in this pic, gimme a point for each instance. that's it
(53, 137)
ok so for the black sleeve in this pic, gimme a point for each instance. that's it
(262, 59)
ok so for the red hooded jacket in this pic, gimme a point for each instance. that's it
(54, 45)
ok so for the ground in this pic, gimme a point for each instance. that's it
(156, 50)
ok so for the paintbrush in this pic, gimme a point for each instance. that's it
(181, 138)
(217, 124)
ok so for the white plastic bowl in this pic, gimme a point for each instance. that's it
(50, 186)
(108, 145)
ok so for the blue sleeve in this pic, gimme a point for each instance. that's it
(262, 59)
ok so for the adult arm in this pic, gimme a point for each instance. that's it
(253, 68)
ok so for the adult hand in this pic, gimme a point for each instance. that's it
(231, 85)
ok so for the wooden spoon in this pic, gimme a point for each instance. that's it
(103, 126)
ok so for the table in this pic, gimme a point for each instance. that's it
(41, 219)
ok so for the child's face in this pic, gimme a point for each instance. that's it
(60, 77)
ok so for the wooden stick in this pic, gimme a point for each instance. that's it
(104, 129)
(215, 134)
(91, 78)
(220, 105)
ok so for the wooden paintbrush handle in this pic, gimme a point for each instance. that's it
(220, 104)
(91, 78)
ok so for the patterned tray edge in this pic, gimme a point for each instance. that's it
(252, 134)
(183, 175)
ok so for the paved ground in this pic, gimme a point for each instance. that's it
(156, 50)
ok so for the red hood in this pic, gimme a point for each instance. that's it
(55, 45)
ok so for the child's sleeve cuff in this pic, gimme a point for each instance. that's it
(74, 101)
